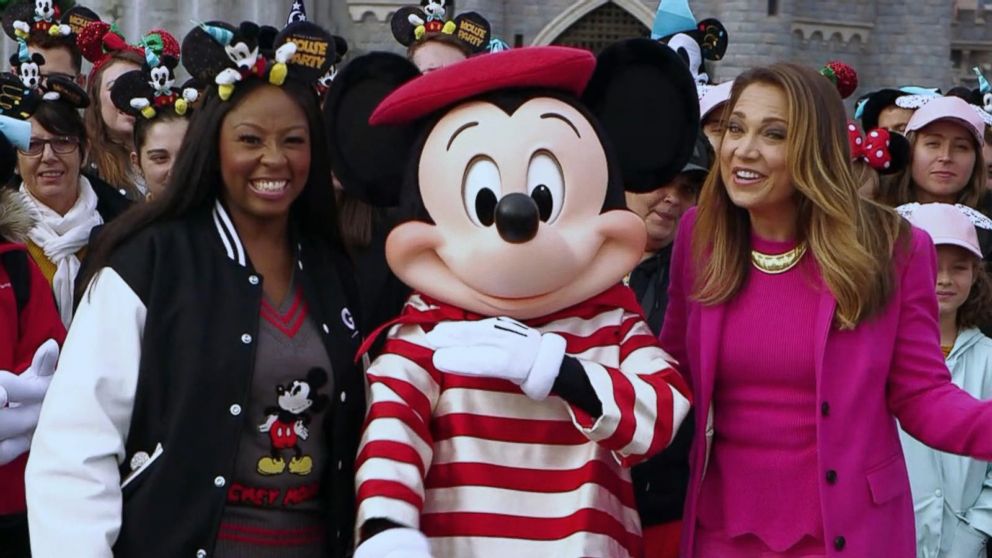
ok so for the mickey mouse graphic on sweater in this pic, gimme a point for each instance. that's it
(287, 423)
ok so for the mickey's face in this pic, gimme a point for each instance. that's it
(44, 9)
(242, 54)
(30, 74)
(517, 203)
(434, 8)
(294, 399)
(161, 79)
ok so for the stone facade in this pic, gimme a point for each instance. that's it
(890, 42)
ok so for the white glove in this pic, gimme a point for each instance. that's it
(399, 542)
(20, 401)
(31, 385)
(13, 448)
(499, 348)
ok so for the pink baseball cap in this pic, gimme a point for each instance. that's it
(714, 97)
(947, 224)
(949, 108)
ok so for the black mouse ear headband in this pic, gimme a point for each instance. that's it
(218, 53)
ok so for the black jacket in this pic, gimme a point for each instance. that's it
(660, 483)
(201, 299)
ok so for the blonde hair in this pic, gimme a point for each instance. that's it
(900, 188)
(111, 159)
(851, 238)
(867, 178)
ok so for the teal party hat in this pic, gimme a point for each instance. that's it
(673, 16)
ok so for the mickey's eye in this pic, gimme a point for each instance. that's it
(546, 185)
(481, 189)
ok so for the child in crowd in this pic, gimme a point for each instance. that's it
(952, 495)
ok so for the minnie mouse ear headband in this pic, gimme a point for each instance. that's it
(221, 54)
(886, 152)
(25, 18)
(949, 108)
(870, 106)
(674, 17)
(948, 224)
(412, 25)
(151, 89)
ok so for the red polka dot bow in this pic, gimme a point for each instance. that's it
(873, 148)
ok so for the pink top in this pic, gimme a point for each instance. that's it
(763, 459)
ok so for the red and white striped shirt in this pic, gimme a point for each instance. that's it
(483, 470)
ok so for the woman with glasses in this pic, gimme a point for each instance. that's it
(68, 206)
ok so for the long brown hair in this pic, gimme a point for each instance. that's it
(111, 159)
(900, 188)
(977, 308)
(851, 239)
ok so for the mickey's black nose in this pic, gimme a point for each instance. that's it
(517, 218)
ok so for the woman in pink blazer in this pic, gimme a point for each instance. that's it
(807, 322)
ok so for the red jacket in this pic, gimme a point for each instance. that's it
(20, 336)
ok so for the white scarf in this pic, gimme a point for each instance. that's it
(61, 237)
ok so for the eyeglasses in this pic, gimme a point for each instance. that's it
(61, 145)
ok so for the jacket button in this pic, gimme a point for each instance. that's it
(340, 465)
(344, 397)
(253, 279)
(326, 329)
(825, 409)
(839, 543)
(219, 481)
(235, 409)
(831, 477)
(300, 264)
(201, 553)
(246, 339)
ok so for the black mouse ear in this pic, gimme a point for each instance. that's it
(316, 377)
(473, 30)
(370, 161)
(404, 30)
(899, 151)
(713, 39)
(645, 98)
(79, 17)
(38, 59)
(16, 100)
(20, 13)
(68, 91)
(341, 47)
(129, 87)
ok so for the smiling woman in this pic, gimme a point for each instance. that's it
(223, 307)
(794, 410)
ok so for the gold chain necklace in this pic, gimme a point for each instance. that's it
(778, 263)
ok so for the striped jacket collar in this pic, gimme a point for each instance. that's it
(229, 235)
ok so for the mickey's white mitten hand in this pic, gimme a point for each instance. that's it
(31, 385)
(499, 348)
(400, 542)
(13, 448)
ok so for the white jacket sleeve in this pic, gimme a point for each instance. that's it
(73, 481)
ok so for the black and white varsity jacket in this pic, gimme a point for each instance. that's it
(140, 428)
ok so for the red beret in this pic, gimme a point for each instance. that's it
(561, 68)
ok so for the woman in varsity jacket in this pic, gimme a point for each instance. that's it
(208, 403)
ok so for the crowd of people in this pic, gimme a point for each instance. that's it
(483, 301)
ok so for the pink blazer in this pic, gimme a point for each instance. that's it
(889, 367)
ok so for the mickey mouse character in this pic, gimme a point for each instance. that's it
(27, 67)
(521, 381)
(286, 423)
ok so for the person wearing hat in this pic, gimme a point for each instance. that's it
(946, 136)
(660, 483)
(208, 403)
(30, 335)
(878, 109)
(952, 495)
(433, 41)
(806, 319)
(711, 105)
